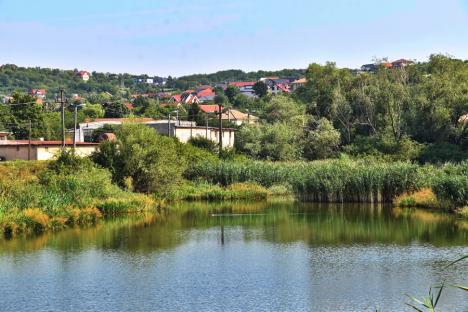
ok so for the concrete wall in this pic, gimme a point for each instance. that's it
(20, 152)
(46, 153)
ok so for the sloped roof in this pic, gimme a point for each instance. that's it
(206, 93)
(209, 108)
(299, 81)
(241, 84)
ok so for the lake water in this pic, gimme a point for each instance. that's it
(275, 256)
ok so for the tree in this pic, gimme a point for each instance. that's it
(343, 112)
(278, 141)
(261, 89)
(322, 142)
(151, 161)
(115, 109)
(283, 108)
(220, 99)
(26, 110)
(231, 92)
(92, 111)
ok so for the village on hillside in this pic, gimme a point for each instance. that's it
(218, 123)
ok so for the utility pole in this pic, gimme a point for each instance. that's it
(220, 112)
(169, 125)
(62, 103)
(206, 135)
(29, 140)
(75, 117)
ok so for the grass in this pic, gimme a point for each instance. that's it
(35, 197)
(424, 198)
(205, 191)
(345, 180)
(321, 181)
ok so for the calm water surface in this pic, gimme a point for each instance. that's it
(276, 256)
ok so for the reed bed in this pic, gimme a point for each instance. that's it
(342, 180)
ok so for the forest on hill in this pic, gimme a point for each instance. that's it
(15, 78)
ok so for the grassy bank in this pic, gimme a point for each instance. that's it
(204, 191)
(345, 180)
(41, 196)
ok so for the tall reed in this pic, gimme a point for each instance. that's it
(322, 181)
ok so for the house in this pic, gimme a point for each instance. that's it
(264, 79)
(231, 115)
(4, 135)
(84, 75)
(7, 99)
(238, 117)
(209, 108)
(245, 87)
(183, 130)
(129, 106)
(149, 80)
(277, 85)
(463, 118)
(40, 150)
(38, 93)
(187, 97)
(401, 63)
(85, 130)
(206, 95)
(296, 84)
(368, 67)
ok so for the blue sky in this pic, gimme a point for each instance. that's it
(176, 37)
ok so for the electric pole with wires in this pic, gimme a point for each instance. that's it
(61, 101)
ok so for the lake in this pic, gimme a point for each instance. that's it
(235, 256)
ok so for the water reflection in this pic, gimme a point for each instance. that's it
(231, 256)
(277, 221)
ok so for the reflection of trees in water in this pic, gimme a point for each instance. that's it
(275, 221)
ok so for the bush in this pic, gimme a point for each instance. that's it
(204, 143)
(152, 161)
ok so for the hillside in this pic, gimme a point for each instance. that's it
(14, 78)
(190, 81)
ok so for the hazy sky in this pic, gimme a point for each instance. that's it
(175, 37)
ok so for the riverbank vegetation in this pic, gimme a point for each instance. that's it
(347, 180)
(41, 196)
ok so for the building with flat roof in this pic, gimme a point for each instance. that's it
(40, 150)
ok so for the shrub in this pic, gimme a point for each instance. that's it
(204, 143)
(150, 159)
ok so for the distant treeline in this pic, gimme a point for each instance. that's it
(186, 82)
(14, 78)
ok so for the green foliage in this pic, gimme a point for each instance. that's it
(261, 89)
(284, 108)
(322, 142)
(278, 141)
(452, 189)
(115, 109)
(231, 92)
(203, 143)
(205, 191)
(191, 81)
(39, 196)
(328, 181)
(149, 159)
